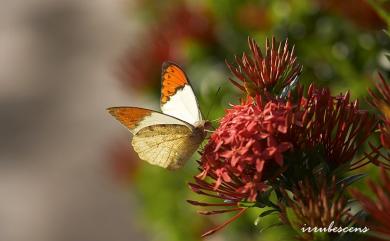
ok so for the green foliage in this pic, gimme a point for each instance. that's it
(164, 194)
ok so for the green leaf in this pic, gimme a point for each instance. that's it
(360, 215)
(289, 87)
(268, 212)
(264, 214)
(351, 179)
(271, 226)
(263, 200)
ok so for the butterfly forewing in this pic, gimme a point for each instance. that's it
(177, 97)
(135, 118)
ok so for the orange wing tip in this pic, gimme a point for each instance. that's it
(129, 116)
(173, 79)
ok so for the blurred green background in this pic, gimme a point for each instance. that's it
(341, 45)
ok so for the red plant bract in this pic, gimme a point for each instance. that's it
(334, 123)
(265, 74)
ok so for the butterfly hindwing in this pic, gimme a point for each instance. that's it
(166, 145)
(177, 97)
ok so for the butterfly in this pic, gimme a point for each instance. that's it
(168, 138)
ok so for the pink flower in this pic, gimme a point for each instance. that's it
(245, 144)
(241, 154)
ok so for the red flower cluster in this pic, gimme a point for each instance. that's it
(239, 152)
(269, 140)
(246, 143)
(247, 152)
(315, 204)
(335, 123)
(265, 74)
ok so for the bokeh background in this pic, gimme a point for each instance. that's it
(67, 170)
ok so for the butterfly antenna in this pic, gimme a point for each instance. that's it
(211, 131)
(213, 102)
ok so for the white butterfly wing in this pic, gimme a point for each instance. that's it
(177, 97)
